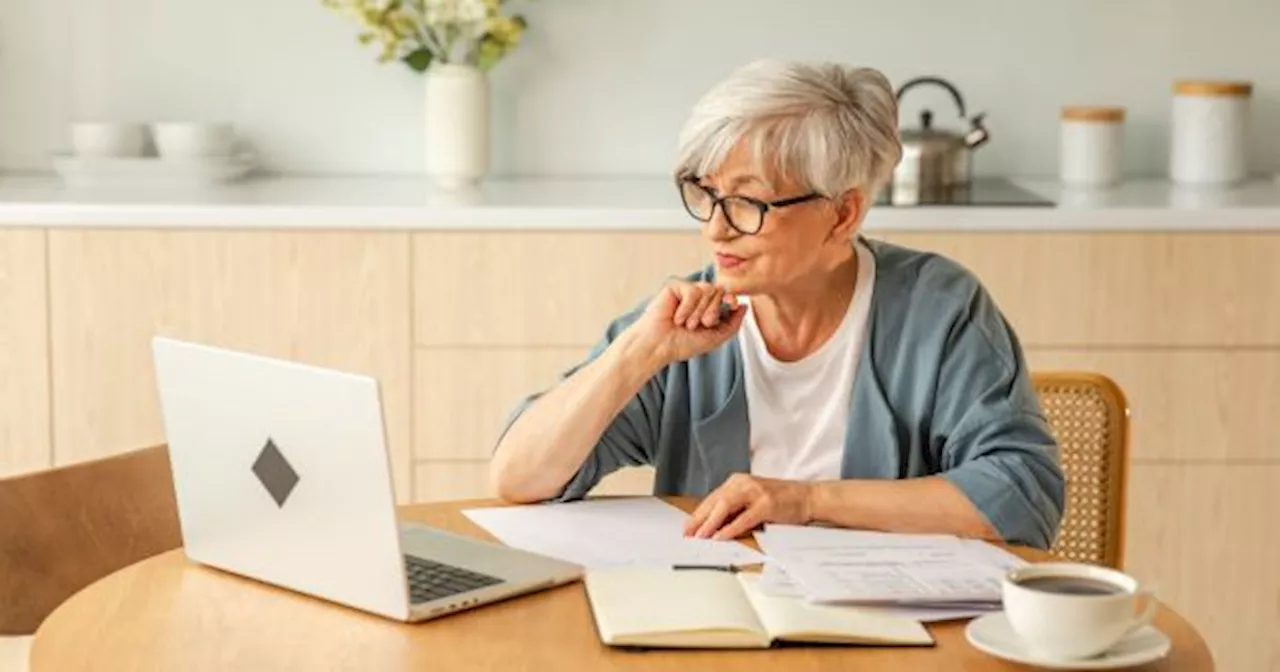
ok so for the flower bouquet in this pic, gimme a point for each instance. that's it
(454, 43)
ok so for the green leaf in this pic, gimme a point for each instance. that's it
(419, 59)
(488, 54)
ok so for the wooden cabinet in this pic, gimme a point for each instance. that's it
(1139, 290)
(465, 395)
(1189, 406)
(24, 353)
(330, 299)
(1207, 538)
(538, 289)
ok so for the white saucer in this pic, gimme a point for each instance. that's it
(992, 634)
(152, 170)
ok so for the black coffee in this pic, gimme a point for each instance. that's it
(1071, 585)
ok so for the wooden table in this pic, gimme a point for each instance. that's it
(165, 613)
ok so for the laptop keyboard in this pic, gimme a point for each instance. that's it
(433, 580)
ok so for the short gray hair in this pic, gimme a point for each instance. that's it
(832, 127)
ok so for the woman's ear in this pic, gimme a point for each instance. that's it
(850, 208)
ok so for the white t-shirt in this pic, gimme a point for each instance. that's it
(799, 411)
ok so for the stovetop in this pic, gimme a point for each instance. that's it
(989, 192)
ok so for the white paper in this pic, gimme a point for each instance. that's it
(774, 582)
(602, 533)
(857, 567)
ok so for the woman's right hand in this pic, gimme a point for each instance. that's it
(684, 321)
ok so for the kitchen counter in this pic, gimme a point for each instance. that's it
(641, 204)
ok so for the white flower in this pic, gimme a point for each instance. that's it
(473, 11)
(466, 15)
(441, 12)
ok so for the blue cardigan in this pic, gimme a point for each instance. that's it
(941, 388)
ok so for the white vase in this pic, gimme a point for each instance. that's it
(457, 125)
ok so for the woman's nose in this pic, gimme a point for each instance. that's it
(717, 228)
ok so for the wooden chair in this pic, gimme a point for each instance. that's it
(1090, 418)
(64, 528)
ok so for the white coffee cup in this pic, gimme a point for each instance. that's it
(193, 140)
(108, 139)
(1066, 611)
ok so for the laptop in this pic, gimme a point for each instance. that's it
(282, 475)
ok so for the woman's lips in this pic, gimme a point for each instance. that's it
(729, 261)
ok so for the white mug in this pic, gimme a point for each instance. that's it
(108, 139)
(193, 140)
(1066, 611)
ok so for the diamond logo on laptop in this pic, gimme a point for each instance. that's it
(275, 473)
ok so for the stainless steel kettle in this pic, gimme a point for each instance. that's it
(936, 163)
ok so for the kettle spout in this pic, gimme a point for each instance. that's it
(977, 134)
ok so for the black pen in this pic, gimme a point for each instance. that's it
(717, 568)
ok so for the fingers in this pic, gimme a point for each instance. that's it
(745, 522)
(699, 514)
(690, 297)
(697, 302)
(708, 312)
(711, 315)
(720, 512)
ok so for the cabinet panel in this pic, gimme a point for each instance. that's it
(463, 396)
(25, 444)
(1189, 405)
(338, 300)
(1207, 536)
(1122, 289)
(541, 289)
(447, 481)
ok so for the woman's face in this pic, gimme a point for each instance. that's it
(793, 243)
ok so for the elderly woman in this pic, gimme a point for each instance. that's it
(808, 375)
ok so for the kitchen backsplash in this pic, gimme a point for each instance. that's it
(601, 86)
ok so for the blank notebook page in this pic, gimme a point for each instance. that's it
(643, 601)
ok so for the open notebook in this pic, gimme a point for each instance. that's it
(714, 609)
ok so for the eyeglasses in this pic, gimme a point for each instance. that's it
(743, 213)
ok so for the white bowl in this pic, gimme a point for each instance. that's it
(193, 140)
(108, 139)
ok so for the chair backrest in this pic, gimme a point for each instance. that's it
(64, 528)
(1090, 418)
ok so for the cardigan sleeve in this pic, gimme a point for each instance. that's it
(996, 444)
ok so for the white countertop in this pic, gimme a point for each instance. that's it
(588, 204)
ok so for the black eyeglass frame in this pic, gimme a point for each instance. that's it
(718, 201)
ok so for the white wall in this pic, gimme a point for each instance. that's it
(601, 86)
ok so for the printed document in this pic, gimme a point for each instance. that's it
(858, 567)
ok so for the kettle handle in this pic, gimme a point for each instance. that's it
(938, 81)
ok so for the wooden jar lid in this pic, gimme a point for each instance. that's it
(1204, 87)
(1093, 113)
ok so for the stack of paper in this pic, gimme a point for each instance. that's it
(928, 577)
(604, 533)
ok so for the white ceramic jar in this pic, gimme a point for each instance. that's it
(457, 125)
(1210, 125)
(1091, 147)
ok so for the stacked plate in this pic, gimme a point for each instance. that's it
(178, 153)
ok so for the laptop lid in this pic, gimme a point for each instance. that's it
(281, 473)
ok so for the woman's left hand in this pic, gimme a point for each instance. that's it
(745, 501)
